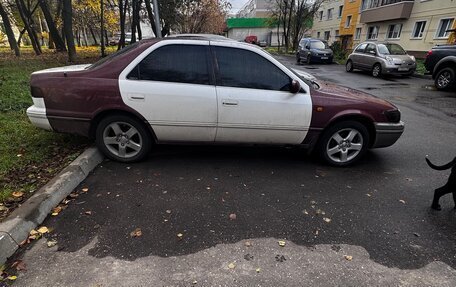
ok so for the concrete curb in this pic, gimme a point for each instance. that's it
(32, 212)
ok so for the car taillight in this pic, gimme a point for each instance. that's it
(36, 92)
(393, 116)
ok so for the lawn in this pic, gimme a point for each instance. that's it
(29, 156)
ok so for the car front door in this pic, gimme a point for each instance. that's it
(171, 86)
(370, 57)
(254, 101)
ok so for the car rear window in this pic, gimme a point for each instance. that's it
(113, 56)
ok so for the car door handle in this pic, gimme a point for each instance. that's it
(136, 97)
(229, 103)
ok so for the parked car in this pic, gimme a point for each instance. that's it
(314, 50)
(217, 92)
(441, 63)
(251, 39)
(381, 59)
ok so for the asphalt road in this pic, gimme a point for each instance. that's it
(377, 212)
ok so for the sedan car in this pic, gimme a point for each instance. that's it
(314, 50)
(221, 92)
(381, 59)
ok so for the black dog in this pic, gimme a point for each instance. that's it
(449, 187)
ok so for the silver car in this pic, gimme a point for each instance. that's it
(381, 59)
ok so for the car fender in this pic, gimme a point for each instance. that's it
(445, 60)
(352, 113)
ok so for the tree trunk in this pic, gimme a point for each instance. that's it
(102, 39)
(67, 15)
(94, 37)
(25, 19)
(9, 31)
(122, 12)
(53, 32)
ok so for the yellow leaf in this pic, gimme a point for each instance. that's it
(231, 265)
(12, 277)
(18, 194)
(43, 230)
(34, 232)
(258, 270)
(281, 243)
(180, 235)
(136, 233)
(348, 257)
(326, 219)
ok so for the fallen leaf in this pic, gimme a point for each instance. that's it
(136, 233)
(231, 265)
(326, 219)
(34, 232)
(408, 179)
(233, 216)
(51, 243)
(402, 201)
(248, 243)
(180, 236)
(43, 230)
(19, 265)
(12, 278)
(18, 194)
(258, 270)
(88, 212)
(305, 212)
(168, 211)
(85, 189)
(73, 195)
(194, 282)
(208, 188)
(281, 243)
(56, 210)
(348, 257)
(19, 155)
(368, 194)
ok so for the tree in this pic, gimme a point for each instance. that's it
(26, 17)
(53, 31)
(202, 16)
(294, 18)
(67, 15)
(9, 31)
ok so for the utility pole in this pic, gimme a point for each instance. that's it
(102, 40)
(157, 20)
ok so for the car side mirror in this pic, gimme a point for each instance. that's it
(308, 47)
(295, 87)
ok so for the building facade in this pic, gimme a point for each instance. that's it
(255, 9)
(417, 25)
(326, 23)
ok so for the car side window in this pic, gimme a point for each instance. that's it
(175, 63)
(245, 69)
(370, 48)
(361, 48)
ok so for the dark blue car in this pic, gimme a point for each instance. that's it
(314, 51)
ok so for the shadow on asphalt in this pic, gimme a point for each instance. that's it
(274, 192)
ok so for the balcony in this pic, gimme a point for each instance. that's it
(385, 10)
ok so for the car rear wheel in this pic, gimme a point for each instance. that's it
(123, 138)
(349, 66)
(344, 143)
(445, 79)
(309, 59)
(377, 70)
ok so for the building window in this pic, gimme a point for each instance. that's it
(394, 31)
(337, 33)
(318, 35)
(320, 15)
(341, 9)
(358, 34)
(327, 35)
(372, 33)
(418, 30)
(330, 14)
(348, 21)
(444, 25)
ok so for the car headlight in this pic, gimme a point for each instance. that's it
(389, 60)
(393, 116)
(413, 58)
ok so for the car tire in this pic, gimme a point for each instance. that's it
(445, 79)
(123, 138)
(377, 71)
(349, 66)
(344, 143)
(309, 60)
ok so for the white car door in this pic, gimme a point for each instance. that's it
(171, 87)
(253, 97)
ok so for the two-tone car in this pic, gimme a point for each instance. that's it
(210, 91)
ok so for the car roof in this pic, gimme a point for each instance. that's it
(211, 37)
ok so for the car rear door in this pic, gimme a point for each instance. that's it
(172, 86)
(357, 55)
(370, 57)
(253, 98)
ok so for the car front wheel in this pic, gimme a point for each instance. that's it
(344, 143)
(349, 66)
(123, 138)
(445, 79)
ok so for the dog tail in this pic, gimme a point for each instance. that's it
(442, 167)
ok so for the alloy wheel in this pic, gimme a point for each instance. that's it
(344, 145)
(122, 139)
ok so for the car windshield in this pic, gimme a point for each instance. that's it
(391, 49)
(318, 45)
(113, 56)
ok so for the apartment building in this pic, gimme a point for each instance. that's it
(327, 21)
(255, 9)
(417, 25)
